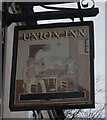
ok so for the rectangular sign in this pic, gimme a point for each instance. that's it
(53, 67)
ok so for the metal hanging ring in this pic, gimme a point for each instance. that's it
(85, 3)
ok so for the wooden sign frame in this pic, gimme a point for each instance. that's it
(53, 67)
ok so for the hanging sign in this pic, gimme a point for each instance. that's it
(53, 67)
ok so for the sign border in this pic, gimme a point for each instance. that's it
(25, 107)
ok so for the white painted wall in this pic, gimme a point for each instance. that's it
(106, 58)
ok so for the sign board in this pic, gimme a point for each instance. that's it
(53, 67)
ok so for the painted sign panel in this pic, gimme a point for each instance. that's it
(53, 67)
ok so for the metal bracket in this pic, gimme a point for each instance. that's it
(9, 18)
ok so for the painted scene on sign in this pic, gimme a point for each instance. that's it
(53, 61)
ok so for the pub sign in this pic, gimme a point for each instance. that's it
(53, 67)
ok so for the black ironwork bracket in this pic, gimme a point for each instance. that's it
(62, 13)
(72, 13)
